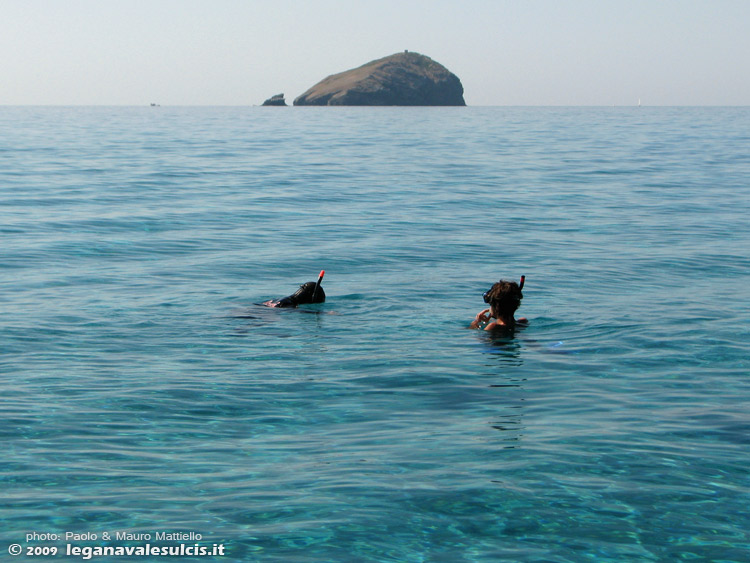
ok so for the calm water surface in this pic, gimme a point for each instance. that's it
(143, 391)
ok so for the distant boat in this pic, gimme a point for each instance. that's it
(639, 102)
(153, 105)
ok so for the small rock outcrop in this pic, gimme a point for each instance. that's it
(277, 100)
(403, 79)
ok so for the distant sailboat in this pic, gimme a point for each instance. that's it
(639, 102)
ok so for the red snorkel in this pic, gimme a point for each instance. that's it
(317, 285)
(523, 279)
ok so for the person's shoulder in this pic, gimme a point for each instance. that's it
(494, 325)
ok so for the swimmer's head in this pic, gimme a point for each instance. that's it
(307, 294)
(504, 298)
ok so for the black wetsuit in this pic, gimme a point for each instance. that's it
(307, 293)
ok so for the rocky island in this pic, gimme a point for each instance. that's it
(403, 79)
(277, 100)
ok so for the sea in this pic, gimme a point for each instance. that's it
(146, 391)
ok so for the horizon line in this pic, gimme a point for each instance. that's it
(157, 106)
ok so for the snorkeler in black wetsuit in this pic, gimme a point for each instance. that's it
(309, 292)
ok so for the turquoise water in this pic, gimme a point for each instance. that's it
(143, 390)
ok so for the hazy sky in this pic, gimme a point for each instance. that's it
(240, 52)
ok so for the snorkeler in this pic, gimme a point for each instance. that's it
(309, 292)
(503, 298)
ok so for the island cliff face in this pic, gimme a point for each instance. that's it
(403, 79)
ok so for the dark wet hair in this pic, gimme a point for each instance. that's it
(505, 297)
